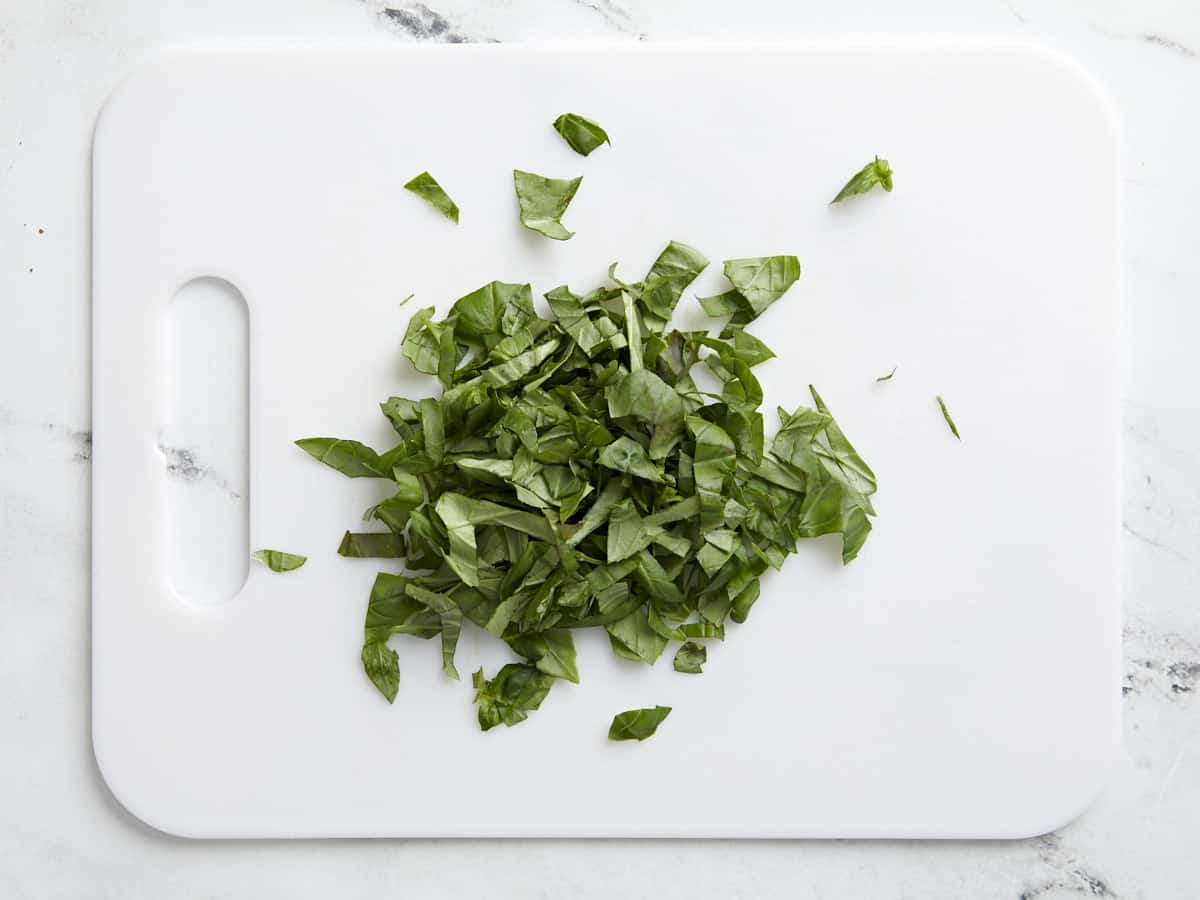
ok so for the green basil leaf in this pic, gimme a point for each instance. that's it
(516, 691)
(372, 545)
(637, 724)
(426, 187)
(582, 135)
(690, 658)
(762, 280)
(543, 201)
(278, 561)
(876, 172)
(351, 458)
(949, 420)
(382, 666)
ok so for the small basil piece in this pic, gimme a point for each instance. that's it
(582, 135)
(876, 172)
(509, 698)
(372, 545)
(637, 724)
(690, 657)
(426, 187)
(542, 202)
(382, 666)
(888, 376)
(278, 561)
(949, 420)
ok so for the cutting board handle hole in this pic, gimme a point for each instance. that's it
(204, 441)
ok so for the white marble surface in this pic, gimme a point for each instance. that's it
(61, 833)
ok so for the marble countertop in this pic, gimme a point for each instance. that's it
(61, 832)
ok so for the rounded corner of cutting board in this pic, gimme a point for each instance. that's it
(1075, 75)
(112, 767)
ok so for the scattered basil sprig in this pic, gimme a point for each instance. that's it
(571, 474)
(876, 172)
(637, 724)
(949, 420)
(426, 186)
(278, 561)
(582, 135)
(543, 201)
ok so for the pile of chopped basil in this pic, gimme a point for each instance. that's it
(571, 474)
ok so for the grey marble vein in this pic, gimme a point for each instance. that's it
(614, 16)
(1167, 43)
(424, 24)
(182, 463)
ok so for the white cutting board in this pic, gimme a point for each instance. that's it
(959, 680)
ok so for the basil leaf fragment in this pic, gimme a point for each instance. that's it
(690, 657)
(516, 691)
(426, 187)
(888, 376)
(379, 545)
(278, 561)
(949, 420)
(876, 172)
(637, 724)
(582, 135)
(543, 201)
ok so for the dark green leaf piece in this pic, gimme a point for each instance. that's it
(426, 187)
(876, 172)
(690, 657)
(888, 376)
(543, 201)
(637, 724)
(509, 698)
(278, 561)
(382, 666)
(372, 545)
(582, 135)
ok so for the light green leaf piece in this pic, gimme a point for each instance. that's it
(690, 658)
(426, 187)
(351, 458)
(762, 280)
(949, 420)
(582, 135)
(634, 634)
(876, 172)
(543, 201)
(553, 652)
(676, 267)
(637, 724)
(628, 456)
(278, 561)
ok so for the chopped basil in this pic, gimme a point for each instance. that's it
(690, 657)
(949, 420)
(543, 201)
(583, 135)
(571, 474)
(637, 724)
(426, 187)
(876, 172)
(278, 561)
